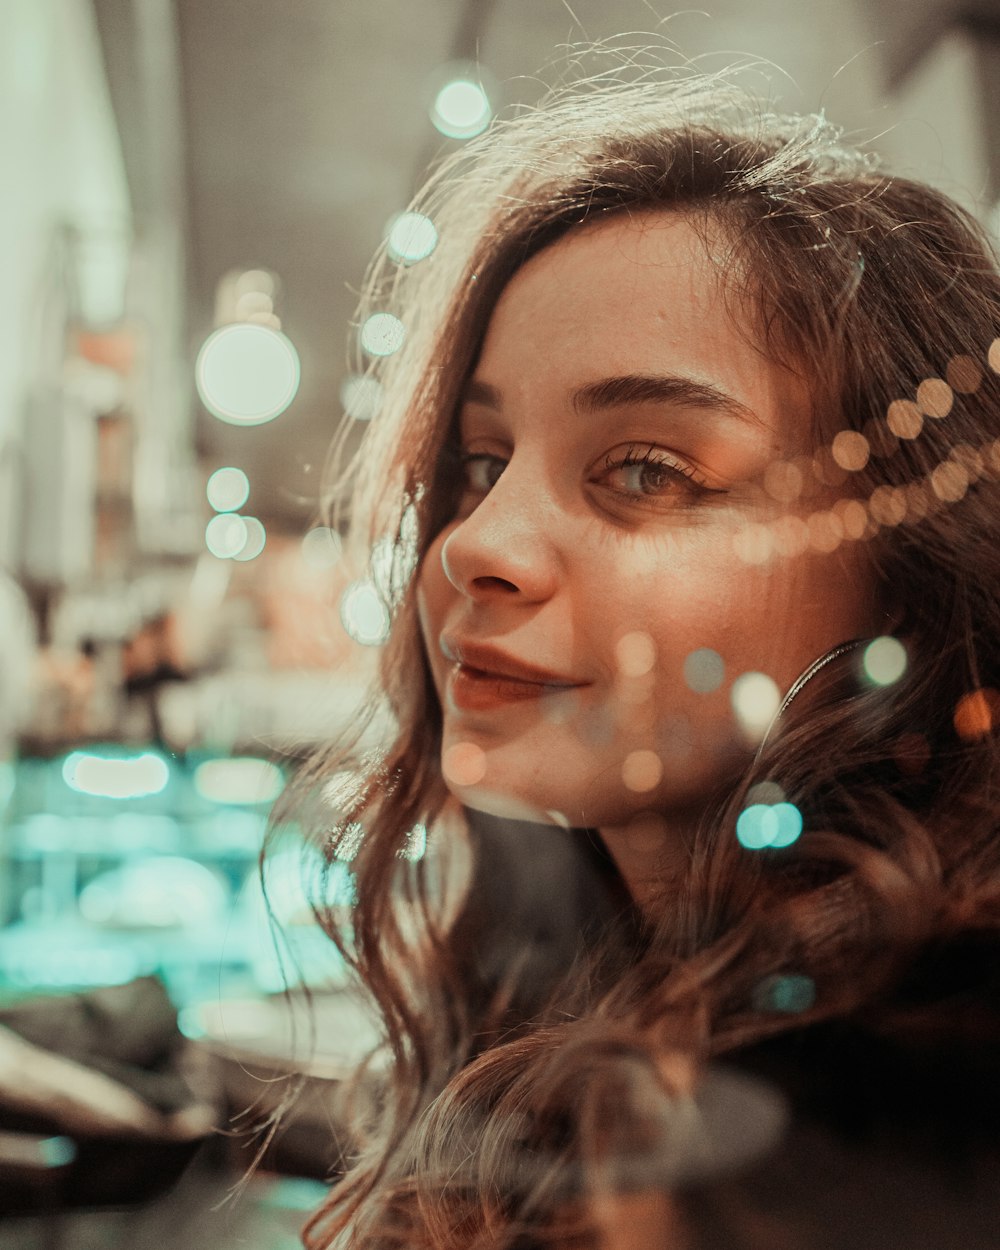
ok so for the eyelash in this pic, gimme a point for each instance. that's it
(653, 455)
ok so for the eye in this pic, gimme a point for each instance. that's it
(649, 472)
(481, 471)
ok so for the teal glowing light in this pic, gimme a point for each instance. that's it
(364, 615)
(226, 534)
(789, 993)
(411, 237)
(461, 109)
(884, 661)
(228, 489)
(247, 374)
(382, 334)
(239, 781)
(768, 825)
(117, 776)
(56, 1152)
(704, 670)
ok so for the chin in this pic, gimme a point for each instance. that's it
(510, 806)
(553, 805)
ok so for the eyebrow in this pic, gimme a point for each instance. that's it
(633, 388)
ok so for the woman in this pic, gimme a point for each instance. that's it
(695, 410)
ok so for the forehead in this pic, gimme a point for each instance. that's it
(647, 293)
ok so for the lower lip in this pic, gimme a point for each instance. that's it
(472, 691)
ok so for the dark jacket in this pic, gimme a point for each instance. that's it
(894, 1132)
(892, 1127)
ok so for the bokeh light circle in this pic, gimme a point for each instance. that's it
(977, 713)
(364, 615)
(787, 993)
(382, 334)
(322, 547)
(704, 670)
(461, 109)
(118, 775)
(766, 792)
(950, 481)
(228, 489)
(783, 481)
(642, 771)
(884, 661)
(256, 539)
(225, 535)
(241, 780)
(635, 653)
(904, 418)
(763, 825)
(411, 238)
(464, 764)
(964, 374)
(755, 700)
(935, 398)
(753, 543)
(360, 396)
(850, 450)
(247, 374)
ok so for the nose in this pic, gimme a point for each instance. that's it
(506, 546)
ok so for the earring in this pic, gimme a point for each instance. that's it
(799, 684)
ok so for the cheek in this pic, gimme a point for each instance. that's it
(774, 620)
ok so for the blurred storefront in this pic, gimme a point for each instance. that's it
(156, 696)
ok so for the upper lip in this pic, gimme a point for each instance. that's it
(498, 664)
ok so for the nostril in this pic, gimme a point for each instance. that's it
(493, 583)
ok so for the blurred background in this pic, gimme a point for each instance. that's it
(193, 189)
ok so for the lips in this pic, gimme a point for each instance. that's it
(494, 663)
(485, 679)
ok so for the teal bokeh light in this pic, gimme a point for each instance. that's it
(768, 825)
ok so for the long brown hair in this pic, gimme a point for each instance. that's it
(509, 1102)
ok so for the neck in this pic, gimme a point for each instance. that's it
(651, 853)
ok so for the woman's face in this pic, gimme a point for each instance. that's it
(593, 585)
